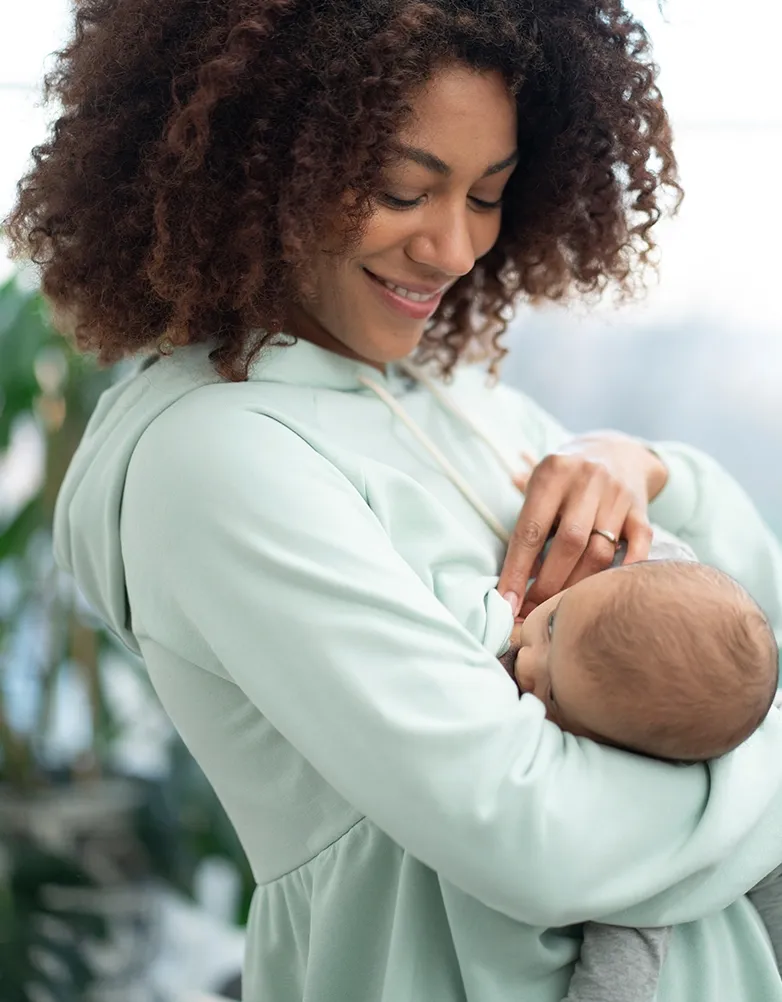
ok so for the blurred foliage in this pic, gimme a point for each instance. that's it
(49, 391)
(49, 639)
(26, 925)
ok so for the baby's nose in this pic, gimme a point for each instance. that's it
(523, 670)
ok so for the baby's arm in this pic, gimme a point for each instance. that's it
(767, 898)
(619, 964)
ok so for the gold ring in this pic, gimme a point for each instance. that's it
(606, 534)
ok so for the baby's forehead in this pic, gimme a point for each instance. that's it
(678, 599)
(683, 576)
(633, 592)
(617, 608)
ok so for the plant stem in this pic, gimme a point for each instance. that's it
(19, 771)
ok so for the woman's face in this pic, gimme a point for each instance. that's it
(438, 213)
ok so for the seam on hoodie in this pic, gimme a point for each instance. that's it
(314, 856)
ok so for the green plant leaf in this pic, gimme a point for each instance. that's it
(17, 534)
(24, 335)
(11, 301)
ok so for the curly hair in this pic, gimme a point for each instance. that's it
(203, 151)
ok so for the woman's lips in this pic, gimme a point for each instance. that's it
(400, 304)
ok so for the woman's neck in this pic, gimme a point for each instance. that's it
(303, 325)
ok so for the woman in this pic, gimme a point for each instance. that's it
(303, 543)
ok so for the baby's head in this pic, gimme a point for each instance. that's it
(667, 658)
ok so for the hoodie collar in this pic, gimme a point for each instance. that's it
(299, 364)
(307, 364)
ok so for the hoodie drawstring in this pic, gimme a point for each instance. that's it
(443, 462)
(442, 397)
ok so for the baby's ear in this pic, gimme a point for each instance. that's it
(515, 636)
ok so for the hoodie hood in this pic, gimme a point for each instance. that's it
(87, 513)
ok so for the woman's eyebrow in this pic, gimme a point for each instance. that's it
(428, 160)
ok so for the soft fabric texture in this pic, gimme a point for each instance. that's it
(309, 593)
(620, 964)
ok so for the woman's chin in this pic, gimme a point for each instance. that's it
(395, 347)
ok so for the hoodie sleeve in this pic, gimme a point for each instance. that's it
(275, 559)
(704, 506)
(701, 504)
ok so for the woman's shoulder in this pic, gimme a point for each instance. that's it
(219, 432)
(220, 440)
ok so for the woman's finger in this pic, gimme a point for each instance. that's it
(570, 540)
(521, 480)
(546, 491)
(638, 533)
(601, 552)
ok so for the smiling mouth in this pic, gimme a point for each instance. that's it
(405, 293)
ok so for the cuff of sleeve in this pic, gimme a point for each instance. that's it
(675, 506)
(499, 623)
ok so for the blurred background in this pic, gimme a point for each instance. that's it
(120, 878)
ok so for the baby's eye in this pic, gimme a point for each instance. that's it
(550, 624)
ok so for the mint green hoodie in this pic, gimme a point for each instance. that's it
(314, 602)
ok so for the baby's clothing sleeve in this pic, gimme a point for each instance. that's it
(619, 964)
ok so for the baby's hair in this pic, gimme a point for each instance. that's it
(687, 661)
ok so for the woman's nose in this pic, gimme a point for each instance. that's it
(445, 243)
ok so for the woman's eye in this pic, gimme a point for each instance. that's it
(399, 203)
(484, 205)
(393, 202)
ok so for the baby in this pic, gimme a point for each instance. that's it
(666, 658)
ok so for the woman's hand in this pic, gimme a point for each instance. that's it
(600, 481)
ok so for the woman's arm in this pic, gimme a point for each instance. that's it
(707, 508)
(238, 531)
